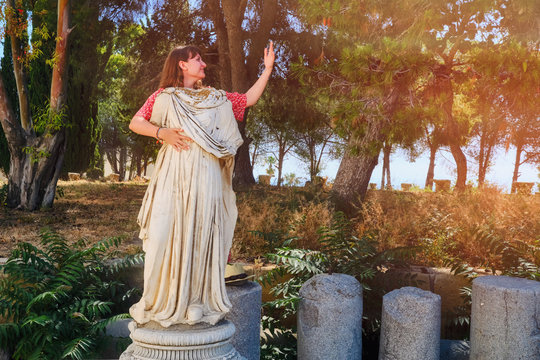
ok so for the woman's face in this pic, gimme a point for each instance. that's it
(193, 68)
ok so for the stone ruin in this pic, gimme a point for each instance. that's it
(505, 321)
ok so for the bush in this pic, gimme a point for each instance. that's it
(56, 301)
(341, 252)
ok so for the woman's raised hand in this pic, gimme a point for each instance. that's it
(269, 56)
(176, 138)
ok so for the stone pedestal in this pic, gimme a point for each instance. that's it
(245, 314)
(179, 342)
(505, 319)
(330, 318)
(410, 325)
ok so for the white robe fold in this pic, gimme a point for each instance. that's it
(188, 213)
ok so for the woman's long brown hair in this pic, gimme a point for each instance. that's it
(171, 75)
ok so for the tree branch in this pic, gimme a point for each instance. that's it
(13, 130)
(18, 69)
(59, 78)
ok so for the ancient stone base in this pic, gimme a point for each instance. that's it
(179, 342)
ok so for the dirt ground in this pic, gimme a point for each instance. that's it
(93, 210)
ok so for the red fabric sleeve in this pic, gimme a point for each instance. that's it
(146, 110)
(238, 104)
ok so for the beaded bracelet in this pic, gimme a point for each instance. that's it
(157, 133)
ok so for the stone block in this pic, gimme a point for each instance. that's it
(505, 319)
(246, 316)
(330, 318)
(410, 325)
(4, 355)
(442, 185)
(118, 328)
(74, 176)
(406, 186)
(372, 186)
(522, 188)
(113, 177)
(264, 179)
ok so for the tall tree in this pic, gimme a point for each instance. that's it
(371, 60)
(6, 71)
(240, 56)
(36, 160)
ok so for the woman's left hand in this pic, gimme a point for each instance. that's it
(255, 92)
(269, 56)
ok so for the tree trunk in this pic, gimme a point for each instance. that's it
(517, 163)
(243, 170)
(122, 162)
(233, 12)
(145, 166)
(354, 173)
(431, 168)
(242, 72)
(482, 163)
(452, 128)
(222, 41)
(36, 162)
(280, 159)
(387, 149)
(352, 180)
(19, 70)
(113, 160)
(461, 164)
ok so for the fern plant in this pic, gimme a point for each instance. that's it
(340, 252)
(511, 258)
(57, 299)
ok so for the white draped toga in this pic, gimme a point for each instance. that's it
(188, 213)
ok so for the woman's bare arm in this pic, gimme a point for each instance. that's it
(173, 137)
(255, 92)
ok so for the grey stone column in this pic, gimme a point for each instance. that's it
(505, 319)
(411, 325)
(330, 318)
(246, 316)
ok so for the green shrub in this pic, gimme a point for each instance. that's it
(56, 300)
(340, 252)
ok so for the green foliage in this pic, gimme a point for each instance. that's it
(278, 343)
(506, 257)
(48, 121)
(57, 299)
(271, 162)
(510, 258)
(35, 154)
(341, 252)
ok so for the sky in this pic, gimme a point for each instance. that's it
(403, 171)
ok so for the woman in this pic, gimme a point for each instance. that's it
(189, 211)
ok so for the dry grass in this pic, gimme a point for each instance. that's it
(97, 210)
(284, 212)
(447, 224)
(91, 210)
(450, 224)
